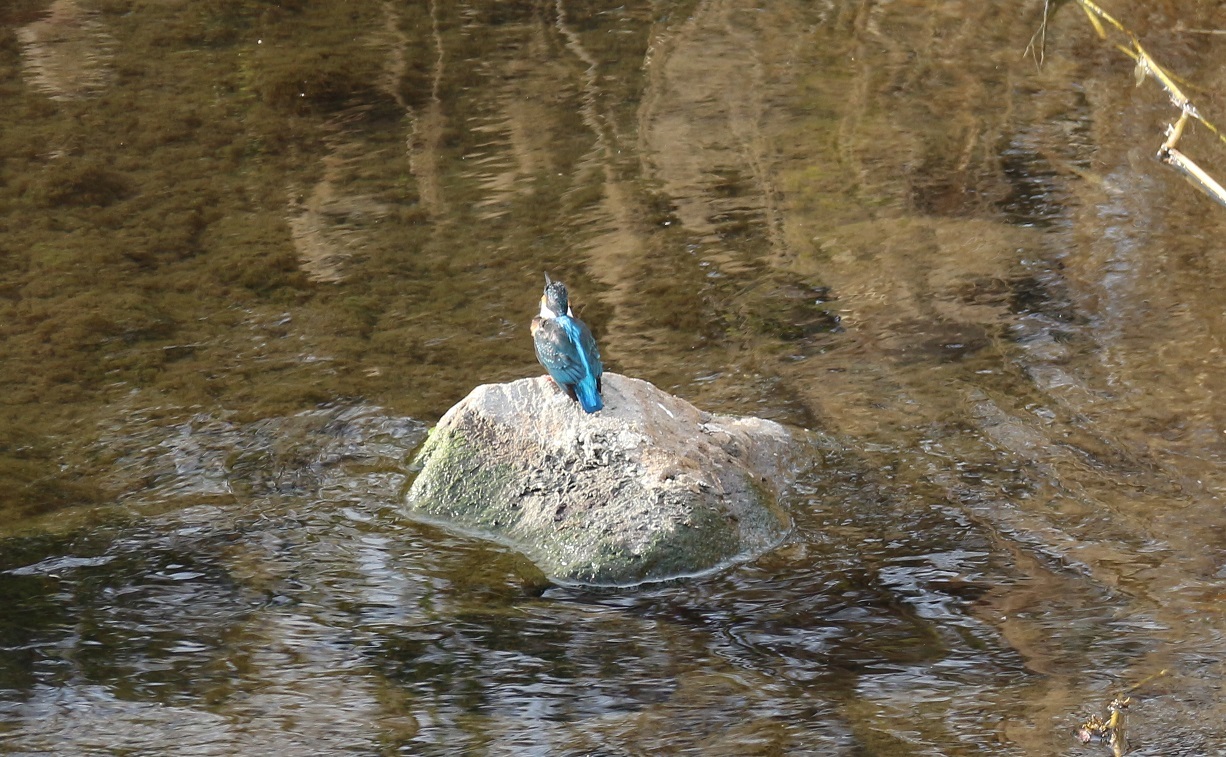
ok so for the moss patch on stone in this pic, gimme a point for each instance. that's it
(455, 485)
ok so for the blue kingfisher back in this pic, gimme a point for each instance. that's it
(565, 346)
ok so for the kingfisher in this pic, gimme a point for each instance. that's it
(565, 346)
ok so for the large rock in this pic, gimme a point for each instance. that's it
(649, 488)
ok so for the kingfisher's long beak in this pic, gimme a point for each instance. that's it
(547, 280)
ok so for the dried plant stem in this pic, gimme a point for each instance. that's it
(1148, 68)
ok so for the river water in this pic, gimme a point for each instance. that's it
(250, 251)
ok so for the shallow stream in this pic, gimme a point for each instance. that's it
(251, 250)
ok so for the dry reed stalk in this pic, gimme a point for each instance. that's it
(1147, 68)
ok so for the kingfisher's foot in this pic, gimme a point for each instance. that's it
(569, 390)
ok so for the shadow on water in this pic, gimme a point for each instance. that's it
(248, 251)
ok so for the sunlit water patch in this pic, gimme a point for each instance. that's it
(66, 54)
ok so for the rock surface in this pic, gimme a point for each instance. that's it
(647, 489)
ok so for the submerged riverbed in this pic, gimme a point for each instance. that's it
(250, 251)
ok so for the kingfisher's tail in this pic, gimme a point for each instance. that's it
(588, 396)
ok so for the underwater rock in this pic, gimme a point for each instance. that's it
(648, 489)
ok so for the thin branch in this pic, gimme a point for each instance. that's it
(1148, 68)
(1041, 35)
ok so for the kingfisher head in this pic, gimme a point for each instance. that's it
(554, 301)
